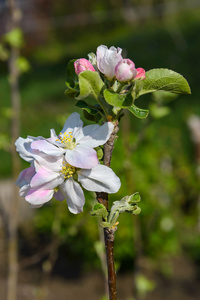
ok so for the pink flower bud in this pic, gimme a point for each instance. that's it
(125, 70)
(83, 64)
(140, 74)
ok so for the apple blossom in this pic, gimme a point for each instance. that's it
(76, 142)
(54, 176)
(125, 70)
(107, 59)
(83, 64)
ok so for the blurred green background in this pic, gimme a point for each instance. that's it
(156, 156)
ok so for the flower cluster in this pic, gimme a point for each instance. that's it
(111, 63)
(62, 164)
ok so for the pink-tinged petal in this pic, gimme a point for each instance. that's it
(74, 195)
(48, 180)
(125, 70)
(49, 162)
(39, 196)
(99, 179)
(25, 176)
(72, 123)
(95, 135)
(140, 74)
(82, 157)
(46, 147)
(58, 196)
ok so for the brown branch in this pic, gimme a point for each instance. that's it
(109, 233)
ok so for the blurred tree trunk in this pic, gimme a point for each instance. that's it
(15, 104)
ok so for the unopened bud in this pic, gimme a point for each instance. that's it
(140, 74)
(82, 64)
(125, 70)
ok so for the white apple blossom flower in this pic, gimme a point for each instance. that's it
(76, 142)
(54, 176)
(107, 59)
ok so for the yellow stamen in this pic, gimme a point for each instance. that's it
(67, 170)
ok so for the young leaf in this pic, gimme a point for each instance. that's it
(118, 100)
(99, 210)
(165, 80)
(90, 83)
(138, 112)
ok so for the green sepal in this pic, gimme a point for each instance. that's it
(99, 152)
(90, 83)
(71, 79)
(118, 100)
(99, 210)
(165, 80)
(138, 112)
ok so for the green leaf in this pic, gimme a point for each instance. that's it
(138, 112)
(165, 80)
(91, 110)
(126, 204)
(71, 79)
(118, 100)
(99, 210)
(90, 83)
(94, 118)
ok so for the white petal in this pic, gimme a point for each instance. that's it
(82, 157)
(53, 133)
(95, 135)
(50, 163)
(72, 123)
(46, 147)
(99, 179)
(74, 195)
(23, 147)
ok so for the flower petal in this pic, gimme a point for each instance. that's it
(82, 157)
(46, 179)
(39, 196)
(95, 135)
(72, 123)
(74, 195)
(49, 162)
(25, 176)
(99, 179)
(58, 196)
(46, 147)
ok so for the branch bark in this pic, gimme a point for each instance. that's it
(109, 233)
